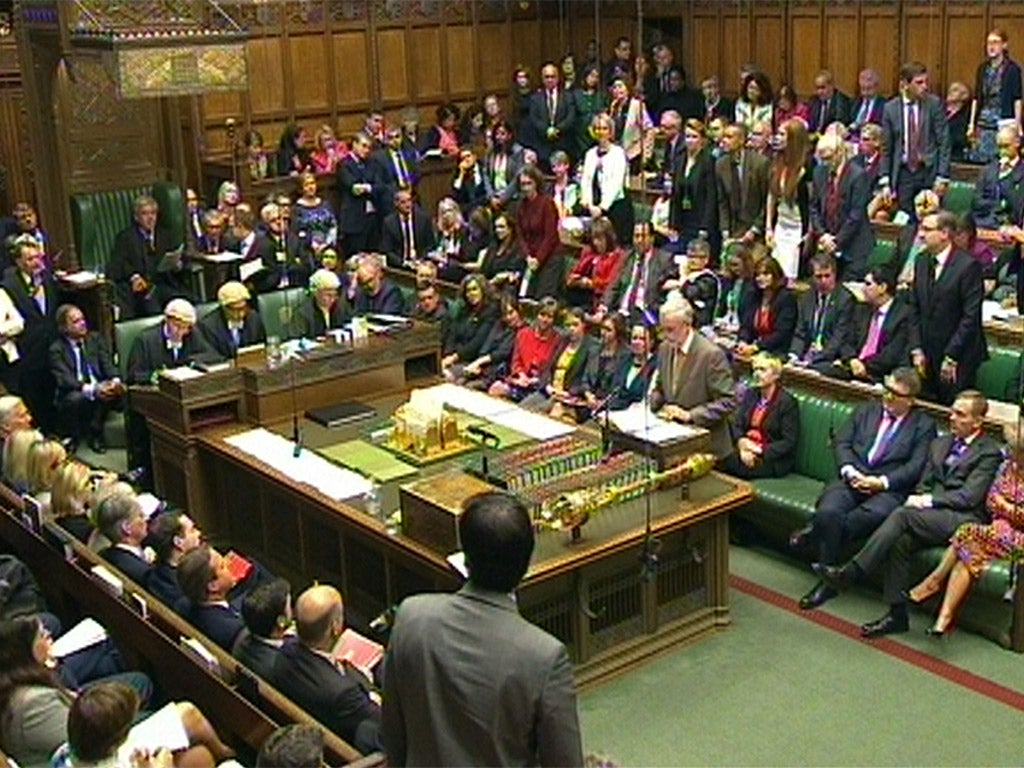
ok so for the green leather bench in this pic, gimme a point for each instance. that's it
(783, 505)
(97, 217)
(997, 376)
(959, 197)
(276, 309)
(884, 252)
(125, 334)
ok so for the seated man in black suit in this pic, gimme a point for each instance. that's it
(960, 468)
(267, 612)
(335, 694)
(376, 294)
(325, 309)
(143, 279)
(287, 261)
(879, 337)
(827, 105)
(119, 517)
(206, 579)
(233, 324)
(172, 534)
(170, 344)
(999, 191)
(406, 234)
(880, 453)
(824, 316)
(431, 306)
(88, 386)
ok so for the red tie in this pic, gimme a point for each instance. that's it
(913, 139)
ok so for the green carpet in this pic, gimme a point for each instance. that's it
(776, 689)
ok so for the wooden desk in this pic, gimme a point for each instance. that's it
(588, 594)
(1006, 333)
(177, 411)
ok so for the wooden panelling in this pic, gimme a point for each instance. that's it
(842, 44)
(735, 48)
(1008, 17)
(769, 48)
(922, 39)
(705, 48)
(14, 149)
(805, 41)
(309, 64)
(965, 47)
(526, 46)
(425, 55)
(351, 74)
(217, 106)
(495, 56)
(461, 69)
(880, 49)
(266, 73)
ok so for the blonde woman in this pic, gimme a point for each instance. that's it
(16, 458)
(69, 499)
(44, 459)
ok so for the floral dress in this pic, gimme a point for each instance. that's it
(977, 544)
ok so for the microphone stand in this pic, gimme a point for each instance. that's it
(649, 560)
(296, 431)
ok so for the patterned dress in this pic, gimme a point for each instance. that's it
(977, 544)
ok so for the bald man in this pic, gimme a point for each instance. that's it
(308, 674)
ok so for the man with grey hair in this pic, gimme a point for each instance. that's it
(376, 293)
(693, 384)
(169, 344)
(840, 195)
(336, 694)
(868, 106)
(120, 519)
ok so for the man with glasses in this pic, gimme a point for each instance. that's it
(946, 340)
(881, 452)
(960, 468)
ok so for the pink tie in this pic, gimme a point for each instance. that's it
(870, 347)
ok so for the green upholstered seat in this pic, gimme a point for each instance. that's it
(884, 252)
(959, 197)
(997, 376)
(820, 419)
(125, 334)
(97, 217)
(276, 309)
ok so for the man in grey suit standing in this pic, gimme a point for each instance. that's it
(694, 382)
(467, 680)
(915, 140)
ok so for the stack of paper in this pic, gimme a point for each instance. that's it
(161, 730)
(639, 421)
(86, 633)
(308, 467)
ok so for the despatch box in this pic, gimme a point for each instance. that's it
(431, 508)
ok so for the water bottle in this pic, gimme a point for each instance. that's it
(372, 501)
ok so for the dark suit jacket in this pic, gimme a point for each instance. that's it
(934, 133)
(257, 654)
(893, 350)
(946, 317)
(298, 261)
(855, 236)
(999, 200)
(835, 322)
(214, 328)
(874, 115)
(703, 386)
(699, 188)
(442, 704)
(354, 217)
(308, 320)
(564, 120)
(337, 700)
(466, 334)
(781, 426)
(961, 485)
(903, 459)
(660, 269)
(163, 583)
(40, 329)
(635, 390)
(837, 109)
(387, 174)
(95, 355)
(574, 382)
(784, 312)
(149, 353)
(724, 108)
(388, 300)
(872, 169)
(513, 166)
(132, 566)
(219, 623)
(392, 242)
(744, 208)
(133, 255)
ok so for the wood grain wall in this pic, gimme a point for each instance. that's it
(792, 40)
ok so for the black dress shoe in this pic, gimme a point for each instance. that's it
(837, 577)
(821, 593)
(887, 625)
(98, 445)
(801, 538)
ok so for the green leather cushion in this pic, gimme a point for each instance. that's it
(125, 334)
(959, 198)
(883, 253)
(276, 309)
(997, 375)
(820, 419)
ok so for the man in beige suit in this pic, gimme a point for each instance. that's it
(694, 383)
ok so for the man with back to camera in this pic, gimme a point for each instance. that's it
(468, 680)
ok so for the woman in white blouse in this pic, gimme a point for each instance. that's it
(11, 326)
(755, 102)
(603, 183)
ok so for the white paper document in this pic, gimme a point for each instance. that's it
(531, 424)
(181, 373)
(84, 634)
(161, 730)
(470, 401)
(639, 421)
(308, 467)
